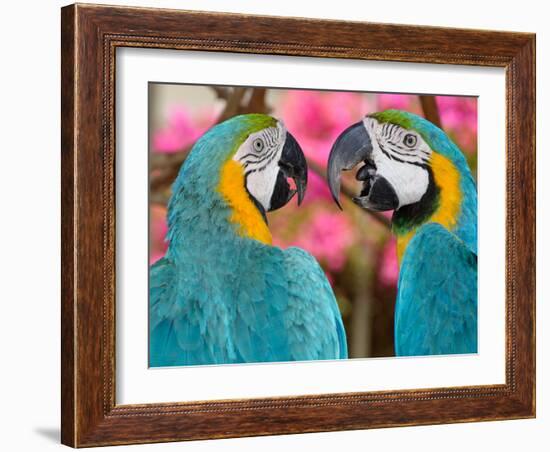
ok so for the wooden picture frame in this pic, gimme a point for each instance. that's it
(90, 36)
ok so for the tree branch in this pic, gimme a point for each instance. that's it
(257, 103)
(431, 112)
(221, 91)
(233, 104)
(164, 168)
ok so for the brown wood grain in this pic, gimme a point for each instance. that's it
(90, 36)
(68, 298)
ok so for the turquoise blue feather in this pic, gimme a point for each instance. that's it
(218, 297)
(436, 308)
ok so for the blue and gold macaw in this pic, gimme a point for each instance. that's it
(223, 293)
(411, 166)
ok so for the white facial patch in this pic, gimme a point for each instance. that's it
(259, 155)
(401, 157)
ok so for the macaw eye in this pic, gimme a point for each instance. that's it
(409, 140)
(258, 145)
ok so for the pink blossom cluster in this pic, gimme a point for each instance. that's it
(182, 129)
(459, 120)
(327, 236)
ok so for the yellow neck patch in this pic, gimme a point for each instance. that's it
(447, 179)
(245, 214)
(402, 243)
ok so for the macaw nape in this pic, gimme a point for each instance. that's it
(411, 166)
(223, 293)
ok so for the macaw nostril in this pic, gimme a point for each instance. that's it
(363, 173)
(367, 185)
(367, 171)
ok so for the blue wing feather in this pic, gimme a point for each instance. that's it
(314, 323)
(279, 307)
(436, 310)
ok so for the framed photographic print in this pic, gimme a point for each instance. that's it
(281, 225)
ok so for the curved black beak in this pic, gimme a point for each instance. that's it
(292, 164)
(351, 147)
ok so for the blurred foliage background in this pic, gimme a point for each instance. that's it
(354, 247)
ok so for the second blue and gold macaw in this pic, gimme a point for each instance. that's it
(410, 166)
(223, 293)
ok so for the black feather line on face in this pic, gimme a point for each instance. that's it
(256, 159)
(414, 215)
(266, 160)
(406, 152)
(397, 159)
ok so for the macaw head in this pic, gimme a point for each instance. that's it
(408, 165)
(268, 156)
(245, 163)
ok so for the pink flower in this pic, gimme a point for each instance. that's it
(398, 101)
(183, 129)
(459, 120)
(317, 189)
(389, 268)
(327, 235)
